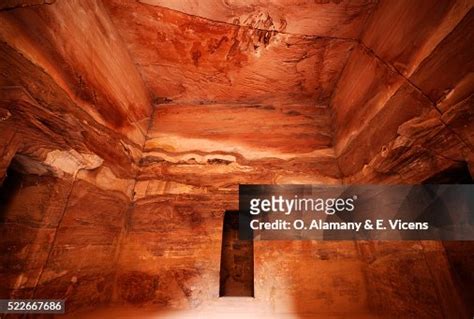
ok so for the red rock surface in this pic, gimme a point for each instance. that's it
(194, 60)
(127, 126)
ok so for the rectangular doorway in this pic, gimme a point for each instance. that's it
(236, 273)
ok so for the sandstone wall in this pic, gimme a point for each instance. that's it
(114, 205)
(172, 241)
(74, 113)
(403, 105)
(70, 87)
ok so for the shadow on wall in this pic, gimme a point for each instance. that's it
(25, 235)
(12, 265)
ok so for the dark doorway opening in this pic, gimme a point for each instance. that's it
(8, 189)
(236, 274)
(455, 174)
(15, 246)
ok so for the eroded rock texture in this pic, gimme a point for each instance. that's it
(127, 126)
(197, 61)
(403, 127)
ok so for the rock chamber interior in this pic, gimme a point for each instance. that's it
(127, 126)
